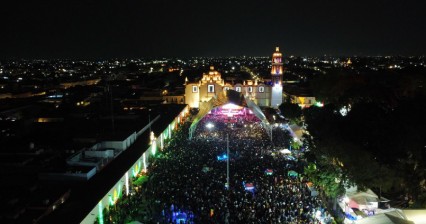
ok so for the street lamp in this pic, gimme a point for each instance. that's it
(149, 119)
(227, 161)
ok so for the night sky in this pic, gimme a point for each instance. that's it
(139, 28)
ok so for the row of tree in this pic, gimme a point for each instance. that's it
(380, 143)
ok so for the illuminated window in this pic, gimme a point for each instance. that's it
(194, 89)
(250, 89)
(238, 89)
(261, 89)
(210, 88)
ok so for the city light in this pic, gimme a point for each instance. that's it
(109, 95)
(319, 104)
(345, 110)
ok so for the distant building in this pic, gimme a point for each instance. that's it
(298, 95)
(263, 94)
(67, 85)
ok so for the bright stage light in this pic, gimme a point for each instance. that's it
(231, 106)
(209, 125)
(222, 157)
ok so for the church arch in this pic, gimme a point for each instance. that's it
(225, 97)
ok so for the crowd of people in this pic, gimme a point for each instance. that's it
(187, 182)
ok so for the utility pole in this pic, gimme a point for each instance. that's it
(149, 120)
(227, 160)
(227, 175)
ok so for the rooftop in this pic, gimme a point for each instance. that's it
(86, 196)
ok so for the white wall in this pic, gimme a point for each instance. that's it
(104, 202)
(113, 145)
(276, 96)
(68, 176)
(192, 98)
(100, 154)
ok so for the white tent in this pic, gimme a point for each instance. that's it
(363, 199)
(416, 215)
(285, 151)
(393, 217)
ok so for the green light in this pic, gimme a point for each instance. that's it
(165, 133)
(119, 190)
(136, 169)
(111, 201)
(154, 147)
(141, 180)
(161, 141)
(101, 213)
(144, 161)
(115, 196)
(319, 104)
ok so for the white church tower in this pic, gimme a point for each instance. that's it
(277, 77)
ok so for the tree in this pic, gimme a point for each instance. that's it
(291, 111)
(381, 141)
(326, 176)
(295, 144)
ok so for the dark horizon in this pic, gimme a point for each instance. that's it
(155, 29)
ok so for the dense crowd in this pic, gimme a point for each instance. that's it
(187, 182)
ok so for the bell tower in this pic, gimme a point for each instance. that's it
(277, 67)
(276, 77)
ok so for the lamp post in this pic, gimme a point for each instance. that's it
(227, 160)
(149, 119)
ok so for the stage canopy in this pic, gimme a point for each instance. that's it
(228, 97)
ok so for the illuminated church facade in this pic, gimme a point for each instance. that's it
(264, 95)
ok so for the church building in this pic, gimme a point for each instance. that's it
(264, 95)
